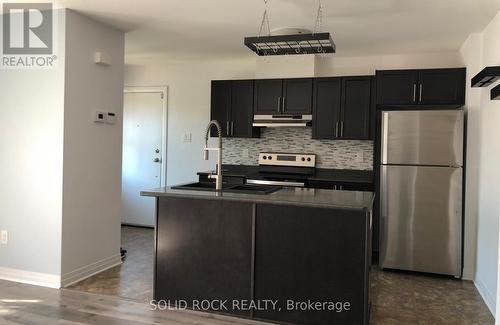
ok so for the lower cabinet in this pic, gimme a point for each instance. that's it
(303, 255)
(204, 251)
(298, 264)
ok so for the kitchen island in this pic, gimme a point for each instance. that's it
(296, 256)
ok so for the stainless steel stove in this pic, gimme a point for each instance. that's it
(286, 169)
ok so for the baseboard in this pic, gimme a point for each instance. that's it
(487, 296)
(28, 277)
(136, 225)
(87, 271)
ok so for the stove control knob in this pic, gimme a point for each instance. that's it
(308, 159)
(303, 159)
(270, 157)
(264, 157)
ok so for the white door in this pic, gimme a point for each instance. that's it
(142, 155)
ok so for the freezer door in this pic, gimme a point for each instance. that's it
(421, 219)
(423, 137)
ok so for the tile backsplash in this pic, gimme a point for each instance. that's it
(339, 154)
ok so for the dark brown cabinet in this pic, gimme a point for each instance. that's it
(421, 87)
(261, 252)
(441, 86)
(267, 96)
(220, 105)
(202, 255)
(301, 254)
(232, 107)
(342, 108)
(283, 96)
(326, 112)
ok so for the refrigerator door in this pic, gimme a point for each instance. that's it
(421, 219)
(423, 137)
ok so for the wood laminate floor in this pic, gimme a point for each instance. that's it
(121, 295)
(132, 279)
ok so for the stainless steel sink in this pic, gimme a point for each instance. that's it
(231, 188)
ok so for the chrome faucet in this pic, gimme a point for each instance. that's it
(218, 177)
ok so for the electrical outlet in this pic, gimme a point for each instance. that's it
(4, 237)
(244, 153)
(360, 157)
(187, 137)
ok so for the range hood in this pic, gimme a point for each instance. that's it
(273, 121)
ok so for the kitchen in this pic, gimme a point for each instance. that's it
(360, 180)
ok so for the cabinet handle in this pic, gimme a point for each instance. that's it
(337, 129)
(283, 105)
(227, 128)
(342, 128)
(414, 92)
(232, 128)
(420, 94)
(279, 102)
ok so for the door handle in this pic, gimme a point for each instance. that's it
(283, 105)
(227, 127)
(232, 127)
(157, 160)
(341, 128)
(414, 92)
(279, 102)
(420, 95)
(337, 129)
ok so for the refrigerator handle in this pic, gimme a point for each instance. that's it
(414, 92)
(385, 134)
(383, 191)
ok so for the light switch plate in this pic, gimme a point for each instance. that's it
(188, 137)
(4, 237)
(360, 157)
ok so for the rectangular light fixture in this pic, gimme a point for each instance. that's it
(318, 43)
(486, 77)
(495, 93)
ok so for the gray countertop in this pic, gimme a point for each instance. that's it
(287, 196)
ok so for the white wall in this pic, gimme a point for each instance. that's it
(189, 90)
(366, 65)
(483, 181)
(60, 191)
(31, 169)
(92, 151)
(188, 105)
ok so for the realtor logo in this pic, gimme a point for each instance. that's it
(27, 35)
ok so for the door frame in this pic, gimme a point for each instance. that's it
(163, 90)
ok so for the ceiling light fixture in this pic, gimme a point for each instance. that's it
(309, 43)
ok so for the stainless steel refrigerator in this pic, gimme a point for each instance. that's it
(421, 191)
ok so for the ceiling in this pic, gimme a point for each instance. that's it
(200, 28)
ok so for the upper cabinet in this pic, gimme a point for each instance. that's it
(421, 87)
(343, 108)
(220, 105)
(297, 96)
(442, 86)
(283, 96)
(232, 107)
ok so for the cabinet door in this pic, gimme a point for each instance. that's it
(441, 87)
(356, 108)
(297, 96)
(327, 100)
(241, 117)
(268, 96)
(220, 105)
(314, 254)
(204, 255)
(397, 87)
